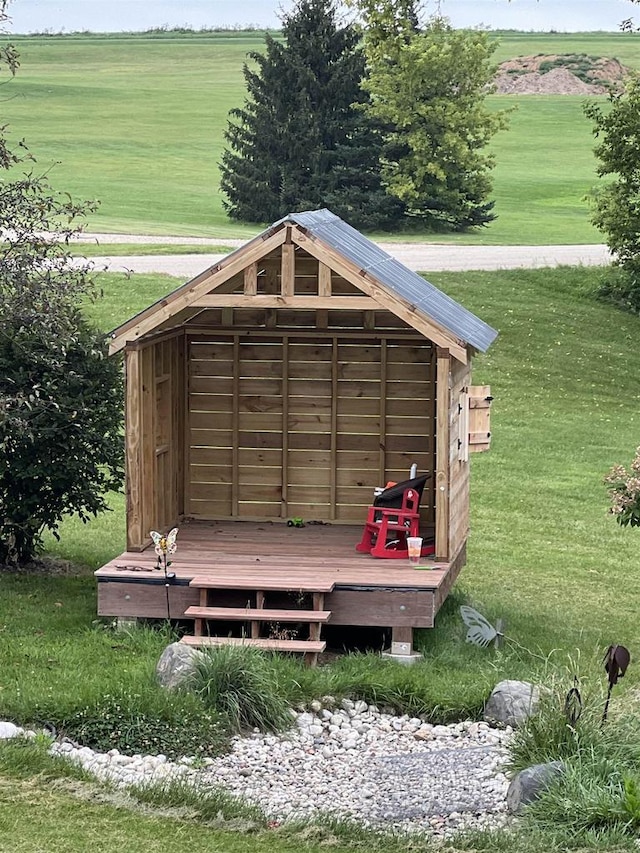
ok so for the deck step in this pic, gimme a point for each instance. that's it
(312, 647)
(269, 583)
(239, 614)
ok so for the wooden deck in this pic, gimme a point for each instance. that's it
(233, 563)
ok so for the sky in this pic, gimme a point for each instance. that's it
(118, 15)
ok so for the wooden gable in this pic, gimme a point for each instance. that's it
(284, 269)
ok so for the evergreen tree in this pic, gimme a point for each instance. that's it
(300, 141)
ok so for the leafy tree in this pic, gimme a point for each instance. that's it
(60, 397)
(300, 141)
(616, 205)
(428, 88)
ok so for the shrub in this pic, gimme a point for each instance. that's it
(60, 397)
(241, 683)
(624, 492)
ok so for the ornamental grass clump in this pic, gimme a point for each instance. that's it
(624, 492)
(242, 684)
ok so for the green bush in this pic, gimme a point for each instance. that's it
(242, 684)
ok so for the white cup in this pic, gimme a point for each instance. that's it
(414, 546)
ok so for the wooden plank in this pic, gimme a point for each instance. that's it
(235, 427)
(442, 453)
(300, 646)
(324, 279)
(382, 607)
(286, 300)
(234, 614)
(382, 415)
(133, 444)
(251, 279)
(335, 366)
(284, 510)
(143, 600)
(259, 580)
(287, 270)
(479, 423)
(148, 457)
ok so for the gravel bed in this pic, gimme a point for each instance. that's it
(348, 760)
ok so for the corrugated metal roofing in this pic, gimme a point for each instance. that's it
(435, 304)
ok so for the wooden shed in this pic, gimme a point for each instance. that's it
(288, 381)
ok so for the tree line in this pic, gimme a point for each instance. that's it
(383, 122)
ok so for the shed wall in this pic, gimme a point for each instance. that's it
(282, 425)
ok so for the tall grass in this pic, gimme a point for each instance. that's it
(238, 683)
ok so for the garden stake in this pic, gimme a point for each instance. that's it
(165, 545)
(573, 703)
(616, 661)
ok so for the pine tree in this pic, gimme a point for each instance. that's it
(300, 141)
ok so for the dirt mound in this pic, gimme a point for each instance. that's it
(570, 74)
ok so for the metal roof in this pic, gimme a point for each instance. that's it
(389, 272)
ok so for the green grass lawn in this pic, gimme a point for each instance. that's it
(137, 123)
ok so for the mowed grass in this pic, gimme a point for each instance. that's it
(138, 122)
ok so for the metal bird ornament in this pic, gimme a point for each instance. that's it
(573, 703)
(616, 660)
(481, 632)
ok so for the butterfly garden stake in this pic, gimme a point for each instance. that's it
(481, 632)
(164, 547)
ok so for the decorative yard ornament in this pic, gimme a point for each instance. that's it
(164, 546)
(481, 632)
(573, 703)
(616, 660)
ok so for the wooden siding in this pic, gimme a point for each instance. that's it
(458, 467)
(282, 425)
(155, 434)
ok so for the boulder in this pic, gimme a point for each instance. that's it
(530, 783)
(176, 665)
(512, 702)
(9, 730)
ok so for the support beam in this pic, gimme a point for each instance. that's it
(133, 443)
(443, 405)
(251, 279)
(288, 273)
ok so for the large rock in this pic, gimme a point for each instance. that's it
(9, 730)
(530, 783)
(512, 702)
(176, 665)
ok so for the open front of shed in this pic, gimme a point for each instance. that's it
(289, 381)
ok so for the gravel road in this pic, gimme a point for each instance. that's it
(423, 257)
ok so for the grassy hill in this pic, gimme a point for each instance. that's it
(137, 122)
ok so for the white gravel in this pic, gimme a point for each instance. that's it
(350, 761)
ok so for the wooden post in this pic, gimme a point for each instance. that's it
(324, 279)
(133, 438)
(443, 372)
(401, 640)
(148, 444)
(288, 272)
